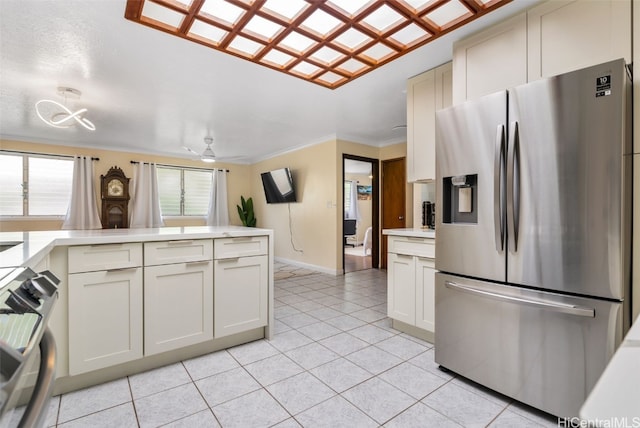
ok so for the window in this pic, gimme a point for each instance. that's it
(34, 185)
(347, 196)
(184, 191)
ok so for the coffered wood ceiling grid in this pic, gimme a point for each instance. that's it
(327, 42)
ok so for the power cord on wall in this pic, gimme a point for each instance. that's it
(291, 232)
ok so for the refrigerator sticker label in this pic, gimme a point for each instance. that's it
(603, 86)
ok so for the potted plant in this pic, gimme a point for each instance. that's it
(246, 212)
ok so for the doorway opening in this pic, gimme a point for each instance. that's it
(360, 205)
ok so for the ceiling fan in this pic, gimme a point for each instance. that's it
(207, 155)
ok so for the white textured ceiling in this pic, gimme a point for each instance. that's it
(150, 92)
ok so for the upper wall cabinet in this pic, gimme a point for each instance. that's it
(426, 93)
(549, 39)
(569, 35)
(490, 61)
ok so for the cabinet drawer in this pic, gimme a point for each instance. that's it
(421, 247)
(90, 258)
(167, 252)
(226, 248)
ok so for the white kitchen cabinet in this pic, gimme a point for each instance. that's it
(635, 293)
(572, 34)
(401, 287)
(551, 38)
(178, 305)
(425, 292)
(241, 246)
(178, 294)
(179, 251)
(426, 93)
(410, 282)
(491, 60)
(105, 318)
(104, 305)
(92, 258)
(241, 292)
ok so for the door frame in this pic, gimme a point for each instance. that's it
(375, 207)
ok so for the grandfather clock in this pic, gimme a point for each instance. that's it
(114, 187)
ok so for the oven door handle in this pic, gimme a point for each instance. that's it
(38, 404)
(537, 303)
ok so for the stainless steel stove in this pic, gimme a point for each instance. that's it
(26, 302)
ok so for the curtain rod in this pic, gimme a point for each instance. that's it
(44, 154)
(182, 166)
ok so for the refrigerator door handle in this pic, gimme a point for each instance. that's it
(538, 303)
(513, 191)
(498, 189)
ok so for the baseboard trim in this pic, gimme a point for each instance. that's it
(309, 266)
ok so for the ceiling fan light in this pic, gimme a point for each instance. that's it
(208, 155)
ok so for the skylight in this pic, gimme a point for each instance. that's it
(328, 42)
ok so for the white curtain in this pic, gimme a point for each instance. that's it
(83, 210)
(218, 210)
(353, 211)
(144, 207)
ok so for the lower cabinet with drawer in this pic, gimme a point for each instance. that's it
(178, 294)
(130, 301)
(410, 284)
(241, 285)
(105, 306)
(178, 305)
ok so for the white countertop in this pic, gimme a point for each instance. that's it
(615, 400)
(36, 245)
(416, 233)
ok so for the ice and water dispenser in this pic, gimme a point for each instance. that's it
(459, 199)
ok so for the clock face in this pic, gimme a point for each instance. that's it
(115, 188)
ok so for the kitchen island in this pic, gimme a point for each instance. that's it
(135, 299)
(410, 281)
(614, 399)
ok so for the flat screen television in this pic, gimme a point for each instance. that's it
(278, 186)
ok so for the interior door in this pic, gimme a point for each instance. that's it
(470, 153)
(394, 182)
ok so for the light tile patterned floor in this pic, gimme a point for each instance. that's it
(335, 361)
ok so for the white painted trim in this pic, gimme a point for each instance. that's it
(320, 269)
(321, 140)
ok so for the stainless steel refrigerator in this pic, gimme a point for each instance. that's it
(533, 235)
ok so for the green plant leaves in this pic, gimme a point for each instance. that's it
(246, 213)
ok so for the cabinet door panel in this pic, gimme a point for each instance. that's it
(421, 117)
(444, 86)
(105, 319)
(241, 293)
(401, 290)
(178, 307)
(490, 61)
(569, 35)
(425, 294)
